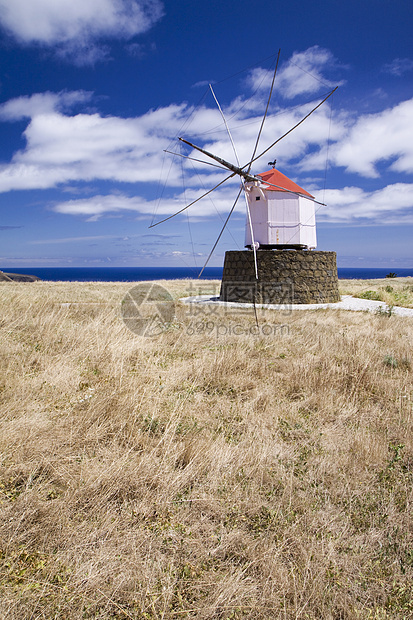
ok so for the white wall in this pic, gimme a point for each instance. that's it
(279, 218)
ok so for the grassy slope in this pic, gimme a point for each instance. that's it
(393, 291)
(198, 475)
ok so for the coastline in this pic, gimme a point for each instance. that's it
(139, 274)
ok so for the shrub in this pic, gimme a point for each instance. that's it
(373, 295)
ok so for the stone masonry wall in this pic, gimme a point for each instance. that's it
(284, 276)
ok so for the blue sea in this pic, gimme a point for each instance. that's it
(139, 274)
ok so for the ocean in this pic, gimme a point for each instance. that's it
(139, 274)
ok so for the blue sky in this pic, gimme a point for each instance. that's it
(93, 91)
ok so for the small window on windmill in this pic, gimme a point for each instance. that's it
(257, 197)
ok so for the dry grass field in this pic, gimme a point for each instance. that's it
(214, 471)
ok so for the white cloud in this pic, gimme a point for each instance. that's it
(41, 103)
(73, 27)
(73, 239)
(62, 148)
(302, 74)
(390, 205)
(399, 66)
(383, 137)
(96, 206)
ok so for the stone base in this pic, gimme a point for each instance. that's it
(284, 277)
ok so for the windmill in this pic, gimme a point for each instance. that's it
(280, 216)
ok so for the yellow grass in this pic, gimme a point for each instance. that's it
(203, 473)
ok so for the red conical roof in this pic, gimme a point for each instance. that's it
(283, 183)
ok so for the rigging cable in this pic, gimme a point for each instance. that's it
(328, 148)
(187, 214)
(322, 204)
(161, 190)
(242, 185)
(265, 113)
(290, 130)
(215, 207)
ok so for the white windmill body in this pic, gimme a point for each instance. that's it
(282, 214)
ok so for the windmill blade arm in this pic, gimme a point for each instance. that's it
(193, 202)
(201, 161)
(223, 162)
(226, 125)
